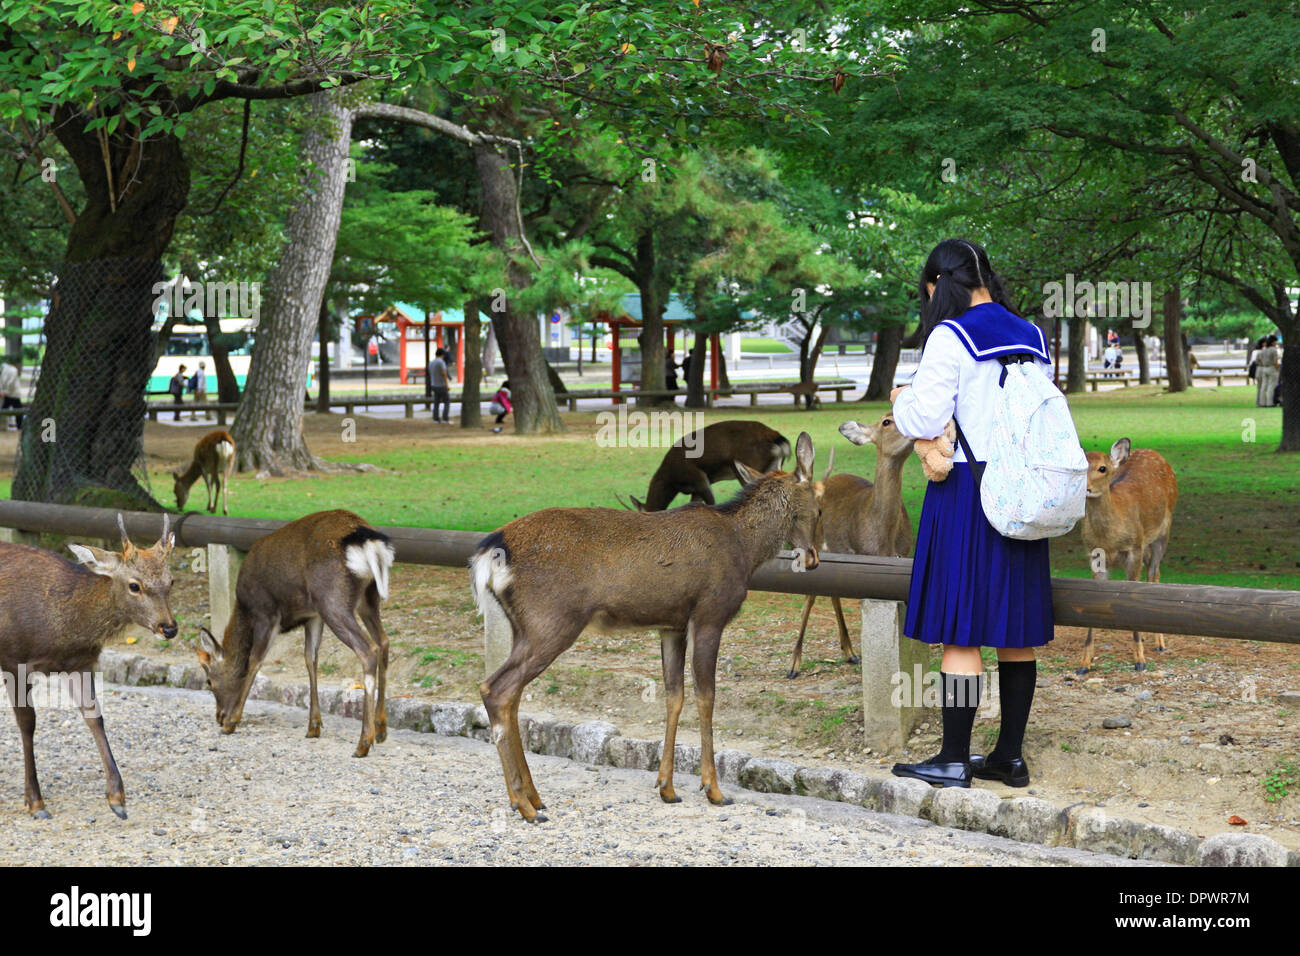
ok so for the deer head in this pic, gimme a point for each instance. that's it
(1102, 467)
(805, 496)
(884, 434)
(225, 680)
(141, 579)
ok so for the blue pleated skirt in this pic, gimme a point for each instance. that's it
(970, 585)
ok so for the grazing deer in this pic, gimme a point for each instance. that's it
(325, 568)
(214, 461)
(56, 616)
(1129, 508)
(697, 460)
(861, 517)
(684, 571)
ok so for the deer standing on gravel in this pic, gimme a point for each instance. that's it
(325, 568)
(684, 571)
(861, 517)
(214, 462)
(697, 460)
(56, 616)
(1129, 509)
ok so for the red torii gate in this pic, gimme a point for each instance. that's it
(396, 315)
(617, 322)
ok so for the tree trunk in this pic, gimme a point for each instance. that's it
(517, 333)
(268, 431)
(1076, 375)
(1144, 359)
(1175, 357)
(86, 424)
(695, 373)
(471, 411)
(489, 351)
(1290, 378)
(13, 334)
(884, 365)
(327, 330)
(651, 336)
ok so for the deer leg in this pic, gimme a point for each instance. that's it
(846, 644)
(345, 627)
(82, 686)
(26, 720)
(263, 631)
(1088, 646)
(314, 627)
(500, 694)
(1133, 571)
(704, 663)
(1153, 574)
(797, 656)
(369, 612)
(672, 645)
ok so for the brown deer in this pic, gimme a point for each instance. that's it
(861, 517)
(710, 454)
(56, 616)
(214, 462)
(553, 572)
(1129, 509)
(325, 568)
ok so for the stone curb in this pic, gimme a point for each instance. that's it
(1026, 819)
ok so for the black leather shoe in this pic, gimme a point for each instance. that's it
(1014, 773)
(939, 774)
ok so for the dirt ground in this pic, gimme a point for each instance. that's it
(1208, 731)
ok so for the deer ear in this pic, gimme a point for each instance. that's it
(210, 648)
(857, 433)
(637, 503)
(99, 561)
(803, 454)
(747, 475)
(1120, 450)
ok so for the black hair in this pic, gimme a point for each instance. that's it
(1271, 340)
(441, 353)
(956, 267)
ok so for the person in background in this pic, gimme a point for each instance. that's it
(1267, 369)
(9, 392)
(670, 372)
(501, 406)
(200, 389)
(177, 388)
(437, 377)
(1252, 361)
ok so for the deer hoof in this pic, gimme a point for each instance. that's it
(118, 809)
(668, 795)
(537, 818)
(313, 731)
(791, 674)
(853, 659)
(1081, 670)
(362, 750)
(381, 734)
(721, 801)
(1140, 666)
(41, 814)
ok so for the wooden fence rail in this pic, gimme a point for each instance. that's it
(880, 583)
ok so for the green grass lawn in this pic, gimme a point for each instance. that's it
(1237, 521)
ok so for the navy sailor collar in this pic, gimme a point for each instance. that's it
(988, 331)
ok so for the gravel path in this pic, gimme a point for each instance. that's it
(267, 795)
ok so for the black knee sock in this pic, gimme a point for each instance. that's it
(1016, 680)
(961, 698)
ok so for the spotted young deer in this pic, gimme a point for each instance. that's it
(1129, 509)
(326, 568)
(684, 571)
(56, 616)
(862, 517)
(709, 455)
(214, 462)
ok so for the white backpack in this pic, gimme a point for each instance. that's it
(1035, 479)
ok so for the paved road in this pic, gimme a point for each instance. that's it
(267, 795)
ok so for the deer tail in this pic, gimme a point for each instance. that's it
(490, 570)
(369, 554)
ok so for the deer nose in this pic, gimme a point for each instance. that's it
(169, 631)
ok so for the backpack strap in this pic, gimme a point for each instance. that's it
(977, 467)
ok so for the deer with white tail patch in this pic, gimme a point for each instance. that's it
(684, 571)
(327, 568)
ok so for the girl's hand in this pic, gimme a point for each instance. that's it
(895, 393)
